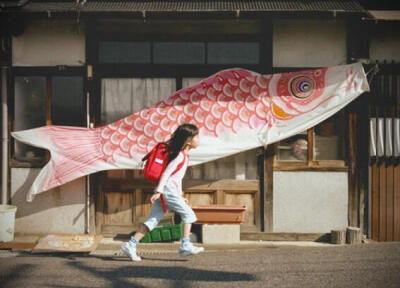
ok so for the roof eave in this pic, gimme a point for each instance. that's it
(332, 14)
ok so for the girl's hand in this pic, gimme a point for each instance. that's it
(155, 197)
(186, 200)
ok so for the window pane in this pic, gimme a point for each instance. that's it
(179, 53)
(122, 97)
(29, 112)
(329, 138)
(124, 52)
(233, 53)
(294, 148)
(67, 103)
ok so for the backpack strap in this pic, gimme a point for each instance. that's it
(180, 164)
(147, 156)
(163, 203)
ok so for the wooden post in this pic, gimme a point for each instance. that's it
(352, 156)
(268, 187)
(338, 237)
(363, 161)
(99, 207)
(92, 205)
(353, 235)
(358, 36)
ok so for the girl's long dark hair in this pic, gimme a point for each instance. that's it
(182, 135)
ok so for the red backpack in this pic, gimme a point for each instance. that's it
(156, 163)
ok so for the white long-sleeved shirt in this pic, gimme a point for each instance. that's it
(174, 182)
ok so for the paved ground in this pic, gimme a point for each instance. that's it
(365, 265)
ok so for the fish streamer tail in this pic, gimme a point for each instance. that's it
(75, 152)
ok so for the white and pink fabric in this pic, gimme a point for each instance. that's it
(235, 109)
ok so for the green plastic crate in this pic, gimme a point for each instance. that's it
(176, 232)
(146, 238)
(156, 235)
(164, 234)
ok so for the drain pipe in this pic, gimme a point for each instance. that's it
(4, 137)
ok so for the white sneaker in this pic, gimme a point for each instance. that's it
(130, 251)
(189, 249)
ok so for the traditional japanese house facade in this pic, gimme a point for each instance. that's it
(92, 62)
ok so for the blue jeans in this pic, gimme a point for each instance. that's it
(173, 202)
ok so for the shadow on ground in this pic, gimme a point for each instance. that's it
(121, 277)
(8, 276)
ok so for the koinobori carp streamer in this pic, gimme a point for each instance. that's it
(235, 110)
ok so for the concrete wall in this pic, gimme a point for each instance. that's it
(310, 202)
(309, 43)
(385, 44)
(60, 210)
(48, 43)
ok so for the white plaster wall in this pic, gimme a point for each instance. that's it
(48, 43)
(310, 202)
(308, 43)
(385, 45)
(60, 210)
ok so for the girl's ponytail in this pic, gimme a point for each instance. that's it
(182, 135)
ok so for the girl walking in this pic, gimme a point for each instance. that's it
(183, 139)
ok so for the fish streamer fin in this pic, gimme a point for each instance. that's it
(75, 152)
